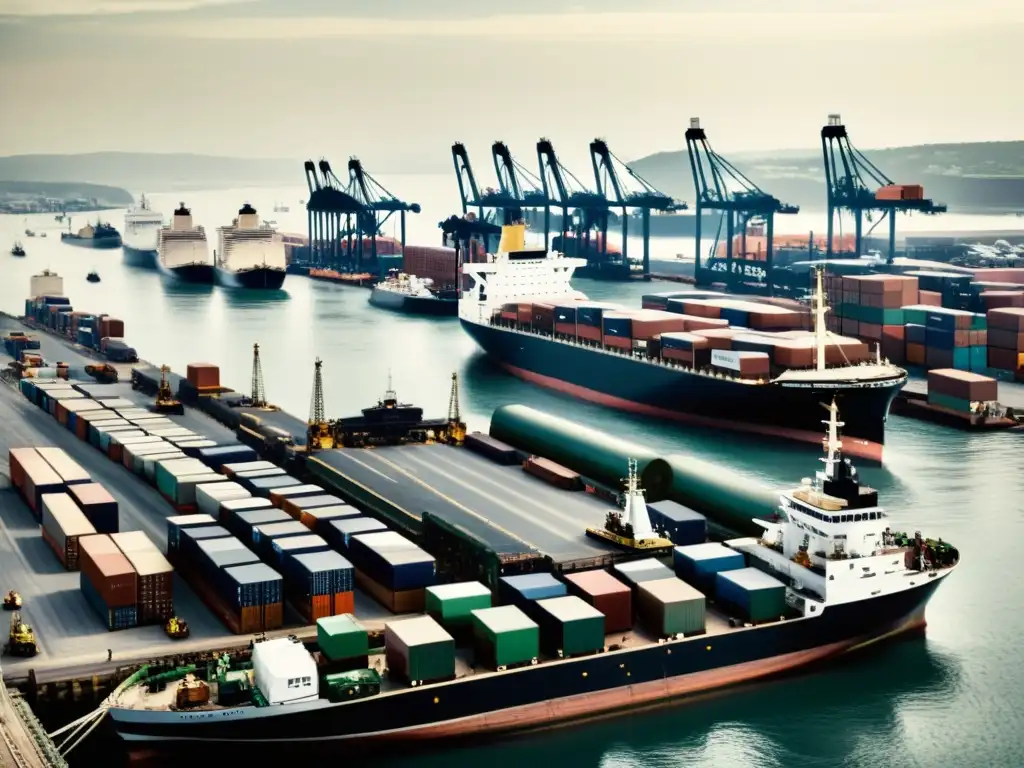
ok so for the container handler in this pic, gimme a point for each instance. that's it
(22, 640)
(12, 601)
(165, 400)
(176, 628)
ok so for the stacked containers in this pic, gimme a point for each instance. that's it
(698, 564)
(210, 495)
(569, 626)
(617, 329)
(38, 478)
(155, 585)
(340, 532)
(262, 486)
(452, 605)
(638, 571)
(264, 535)
(419, 650)
(752, 593)
(670, 607)
(295, 506)
(691, 349)
(229, 508)
(278, 496)
(524, 591)
(97, 428)
(241, 477)
(151, 461)
(680, 524)
(99, 507)
(246, 466)
(590, 320)
(505, 636)
(67, 469)
(218, 456)
(607, 594)
(1006, 338)
(188, 552)
(953, 340)
(132, 453)
(255, 592)
(179, 522)
(343, 641)
(63, 524)
(286, 547)
(108, 582)
(318, 519)
(319, 584)
(744, 365)
(68, 411)
(118, 442)
(959, 390)
(242, 522)
(107, 433)
(219, 553)
(393, 569)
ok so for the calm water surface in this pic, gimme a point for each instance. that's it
(955, 697)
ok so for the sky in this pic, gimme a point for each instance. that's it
(399, 80)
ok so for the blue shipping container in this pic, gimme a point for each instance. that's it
(514, 590)
(263, 535)
(916, 334)
(340, 532)
(285, 547)
(189, 538)
(226, 454)
(123, 617)
(979, 358)
(589, 316)
(241, 522)
(565, 314)
(320, 573)
(736, 317)
(946, 319)
(620, 327)
(681, 524)
(940, 339)
(262, 486)
(698, 564)
(398, 566)
(252, 585)
(178, 522)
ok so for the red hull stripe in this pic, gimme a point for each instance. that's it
(863, 449)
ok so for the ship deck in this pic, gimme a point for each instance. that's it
(511, 511)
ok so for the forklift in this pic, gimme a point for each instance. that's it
(176, 628)
(165, 400)
(22, 640)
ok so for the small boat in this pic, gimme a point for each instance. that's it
(17, 250)
(93, 277)
(43, 234)
(29, 233)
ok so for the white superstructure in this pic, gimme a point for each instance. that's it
(247, 244)
(516, 273)
(285, 672)
(46, 283)
(183, 243)
(142, 227)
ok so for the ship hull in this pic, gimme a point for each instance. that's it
(549, 693)
(139, 257)
(259, 278)
(661, 391)
(201, 274)
(105, 243)
(413, 305)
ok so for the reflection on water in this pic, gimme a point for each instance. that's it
(240, 297)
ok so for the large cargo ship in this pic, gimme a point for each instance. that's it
(413, 295)
(250, 254)
(100, 236)
(141, 233)
(570, 346)
(182, 251)
(798, 594)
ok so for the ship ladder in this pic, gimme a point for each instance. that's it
(86, 724)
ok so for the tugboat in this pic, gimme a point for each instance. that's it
(93, 277)
(415, 295)
(17, 249)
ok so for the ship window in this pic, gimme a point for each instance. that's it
(306, 682)
(858, 518)
(846, 518)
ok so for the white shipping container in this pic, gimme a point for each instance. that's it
(248, 466)
(285, 671)
(210, 495)
(184, 487)
(725, 359)
(106, 435)
(63, 520)
(150, 462)
(193, 442)
(134, 453)
(385, 541)
(133, 413)
(133, 541)
(148, 562)
(174, 432)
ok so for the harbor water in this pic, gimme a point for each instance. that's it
(952, 697)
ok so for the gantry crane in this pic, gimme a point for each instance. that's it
(612, 186)
(847, 174)
(563, 190)
(259, 399)
(334, 217)
(379, 206)
(319, 436)
(719, 186)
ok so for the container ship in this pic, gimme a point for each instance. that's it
(250, 254)
(413, 295)
(546, 650)
(182, 251)
(141, 234)
(711, 360)
(100, 236)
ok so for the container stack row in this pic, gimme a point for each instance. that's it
(391, 568)
(18, 344)
(962, 392)
(102, 333)
(1006, 338)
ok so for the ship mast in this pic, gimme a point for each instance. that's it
(833, 445)
(820, 330)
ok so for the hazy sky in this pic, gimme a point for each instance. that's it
(392, 79)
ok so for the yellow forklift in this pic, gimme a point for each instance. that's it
(176, 628)
(165, 400)
(22, 640)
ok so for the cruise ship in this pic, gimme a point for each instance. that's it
(250, 254)
(182, 251)
(141, 233)
(521, 310)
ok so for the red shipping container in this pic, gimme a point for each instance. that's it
(913, 192)
(524, 313)
(894, 350)
(543, 317)
(977, 338)
(108, 570)
(1004, 359)
(607, 594)
(1003, 339)
(566, 329)
(793, 354)
(699, 308)
(963, 384)
(550, 472)
(1008, 318)
(647, 326)
(588, 333)
(677, 355)
(617, 342)
(915, 354)
(929, 299)
(869, 331)
(850, 327)
(201, 375)
(14, 459)
(1001, 299)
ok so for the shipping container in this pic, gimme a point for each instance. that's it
(63, 523)
(552, 473)
(214, 555)
(752, 593)
(697, 564)
(150, 462)
(962, 384)
(131, 455)
(264, 534)
(227, 509)
(453, 604)
(278, 496)
(284, 547)
(188, 550)
(15, 457)
(340, 532)
(241, 521)
(670, 607)
(342, 637)
(677, 523)
(296, 506)
(495, 450)
(523, 590)
(98, 506)
(183, 488)
(319, 573)
(178, 522)
(505, 636)
(241, 477)
(203, 375)
(744, 364)
(69, 471)
(638, 571)
(210, 495)
(118, 442)
(167, 472)
(392, 560)
(1007, 319)
(262, 486)
(155, 584)
(607, 594)
(569, 626)
(108, 572)
(39, 478)
(419, 650)
(217, 457)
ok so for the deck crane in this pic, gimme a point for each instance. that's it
(259, 399)
(319, 436)
(563, 190)
(847, 174)
(330, 211)
(611, 185)
(719, 186)
(379, 206)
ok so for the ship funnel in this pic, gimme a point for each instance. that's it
(513, 238)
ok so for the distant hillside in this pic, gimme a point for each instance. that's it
(153, 172)
(65, 190)
(985, 176)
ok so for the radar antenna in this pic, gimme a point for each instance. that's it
(259, 399)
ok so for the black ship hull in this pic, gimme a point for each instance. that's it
(548, 693)
(105, 243)
(201, 274)
(258, 278)
(662, 391)
(136, 257)
(414, 305)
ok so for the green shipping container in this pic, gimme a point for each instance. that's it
(752, 594)
(453, 604)
(877, 315)
(979, 359)
(419, 649)
(505, 635)
(952, 403)
(916, 315)
(569, 626)
(341, 637)
(670, 607)
(979, 322)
